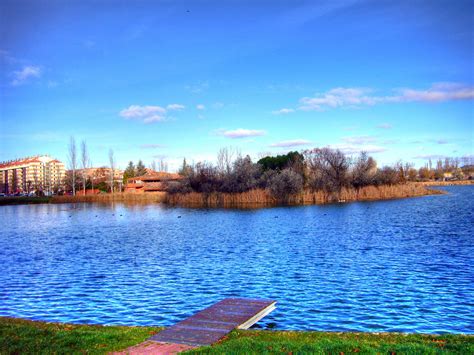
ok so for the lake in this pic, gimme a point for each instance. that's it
(400, 265)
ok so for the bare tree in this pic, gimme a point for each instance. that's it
(112, 168)
(285, 184)
(328, 169)
(153, 165)
(85, 164)
(162, 165)
(363, 171)
(73, 163)
(225, 158)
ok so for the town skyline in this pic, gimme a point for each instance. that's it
(181, 80)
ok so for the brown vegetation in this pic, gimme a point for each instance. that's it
(260, 197)
(152, 197)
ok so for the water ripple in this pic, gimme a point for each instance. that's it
(404, 265)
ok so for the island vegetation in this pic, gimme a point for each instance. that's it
(33, 337)
(320, 175)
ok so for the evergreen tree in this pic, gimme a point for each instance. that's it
(141, 170)
(129, 172)
(184, 168)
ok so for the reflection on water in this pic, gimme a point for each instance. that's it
(401, 265)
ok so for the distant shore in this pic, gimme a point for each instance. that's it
(24, 336)
(448, 183)
(249, 199)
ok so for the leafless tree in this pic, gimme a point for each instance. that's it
(285, 184)
(162, 165)
(327, 169)
(224, 160)
(73, 163)
(85, 164)
(112, 169)
(153, 165)
(363, 171)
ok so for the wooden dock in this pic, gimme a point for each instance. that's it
(213, 323)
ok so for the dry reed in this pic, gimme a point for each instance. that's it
(259, 197)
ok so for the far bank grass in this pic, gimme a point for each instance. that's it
(19, 336)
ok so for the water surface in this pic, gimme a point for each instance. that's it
(400, 265)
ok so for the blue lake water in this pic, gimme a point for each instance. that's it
(400, 265)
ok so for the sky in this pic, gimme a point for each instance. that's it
(156, 80)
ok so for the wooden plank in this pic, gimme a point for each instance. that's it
(213, 323)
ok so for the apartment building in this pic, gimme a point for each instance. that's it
(32, 174)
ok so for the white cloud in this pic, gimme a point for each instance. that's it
(218, 105)
(149, 114)
(241, 133)
(385, 126)
(358, 97)
(291, 143)
(429, 156)
(358, 140)
(200, 107)
(175, 107)
(198, 88)
(151, 146)
(437, 93)
(350, 149)
(29, 71)
(337, 97)
(283, 111)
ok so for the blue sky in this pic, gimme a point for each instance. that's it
(172, 79)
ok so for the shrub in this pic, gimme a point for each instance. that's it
(285, 184)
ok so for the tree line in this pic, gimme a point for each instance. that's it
(319, 169)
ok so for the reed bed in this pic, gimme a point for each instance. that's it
(260, 197)
(151, 197)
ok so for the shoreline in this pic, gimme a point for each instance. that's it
(250, 199)
(19, 335)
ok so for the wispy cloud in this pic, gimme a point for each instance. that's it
(218, 105)
(441, 141)
(356, 144)
(291, 143)
(149, 114)
(240, 133)
(152, 146)
(348, 148)
(384, 126)
(337, 97)
(358, 97)
(28, 72)
(283, 111)
(198, 88)
(358, 140)
(200, 107)
(175, 107)
(429, 156)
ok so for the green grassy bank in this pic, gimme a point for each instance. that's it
(22, 336)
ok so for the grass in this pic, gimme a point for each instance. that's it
(23, 336)
(18, 336)
(281, 342)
